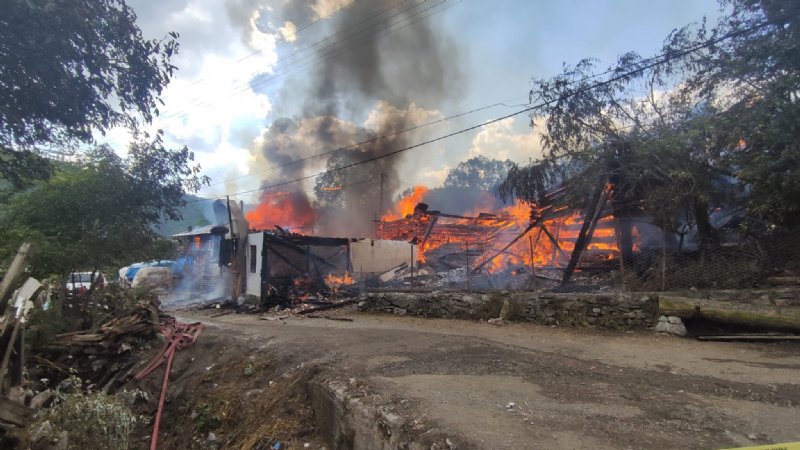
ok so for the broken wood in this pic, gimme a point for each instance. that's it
(751, 337)
(587, 229)
(554, 241)
(274, 317)
(330, 306)
(733, 312)
(507, 246)
(14, 413)
(342, 319)
(15, 270)
(280, 241)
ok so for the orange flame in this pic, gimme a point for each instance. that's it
(286, 209)
(488, 234)
(405, 206)
(334, 282)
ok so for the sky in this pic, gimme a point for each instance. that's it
(257, 78)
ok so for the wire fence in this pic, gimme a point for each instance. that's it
(746, 263)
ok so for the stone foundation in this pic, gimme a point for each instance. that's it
(611, 310)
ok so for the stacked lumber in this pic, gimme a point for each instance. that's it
(142, 323)
(13, 306)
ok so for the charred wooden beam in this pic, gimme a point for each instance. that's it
(292, 246)
(585, 236)
(507, 246)
(287, 261)
(15, 270)
(553, 240)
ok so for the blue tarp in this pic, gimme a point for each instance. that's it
(134, 268)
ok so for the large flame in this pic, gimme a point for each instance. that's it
(486, 233)
(405, 206)
(289, 210)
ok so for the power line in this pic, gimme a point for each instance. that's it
(281, 38)
(661, 59)
(304, 27)
(316, 59)
(377, 138)
(413, 128)
(368, 141)
(244, 86)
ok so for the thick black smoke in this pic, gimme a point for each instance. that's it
(364, 71)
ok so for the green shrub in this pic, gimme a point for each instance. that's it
(92, 420)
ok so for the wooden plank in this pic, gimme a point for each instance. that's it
(735, 312)
(15, 270)
(14, 413)
(751, 337)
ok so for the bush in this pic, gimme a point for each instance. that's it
(92, 420)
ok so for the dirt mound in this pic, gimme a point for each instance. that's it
(224, 395)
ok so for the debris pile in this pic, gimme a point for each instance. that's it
(105, 357)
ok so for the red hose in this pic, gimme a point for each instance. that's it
(182, 336)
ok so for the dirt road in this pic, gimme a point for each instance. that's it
(527, 386)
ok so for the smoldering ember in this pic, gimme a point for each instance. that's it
(399, 224)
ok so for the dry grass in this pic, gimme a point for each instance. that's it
(248, 403)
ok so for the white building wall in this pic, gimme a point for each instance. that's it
(378, 256)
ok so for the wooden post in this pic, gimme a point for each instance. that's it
(554, 240)
(466, 253)
(7, 354)
(14, 271)
(533, 265)
(664, 260)
(593, 212)
(18, 363)
(412, 264)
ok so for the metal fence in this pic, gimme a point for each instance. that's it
(746, 263)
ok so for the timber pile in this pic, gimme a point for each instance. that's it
(13, 308)
(106, 356)
(143, 322)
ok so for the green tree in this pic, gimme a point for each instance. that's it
(752, 79)
(667, 132)
(353, 187)
(100, 212)
(479, 172)
(652, 148)
(69, 69)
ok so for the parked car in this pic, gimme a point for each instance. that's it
(79, 282)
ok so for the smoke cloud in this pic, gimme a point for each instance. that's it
(366, 73)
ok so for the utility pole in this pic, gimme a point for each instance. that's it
(380, 200)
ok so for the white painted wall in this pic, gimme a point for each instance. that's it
(378, 256)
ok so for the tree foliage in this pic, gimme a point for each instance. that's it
(670, 133)
(100, 212)
(69, 69)
(479, 172)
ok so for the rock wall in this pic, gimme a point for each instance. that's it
(611, 310)
(785, 296)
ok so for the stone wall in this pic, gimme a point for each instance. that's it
(784, 296)
(612, 310)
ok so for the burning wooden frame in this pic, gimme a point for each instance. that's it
(565, 238)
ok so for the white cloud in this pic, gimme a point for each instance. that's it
(499, 140)
(209, 105)
(324, 8)
(288, 31)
